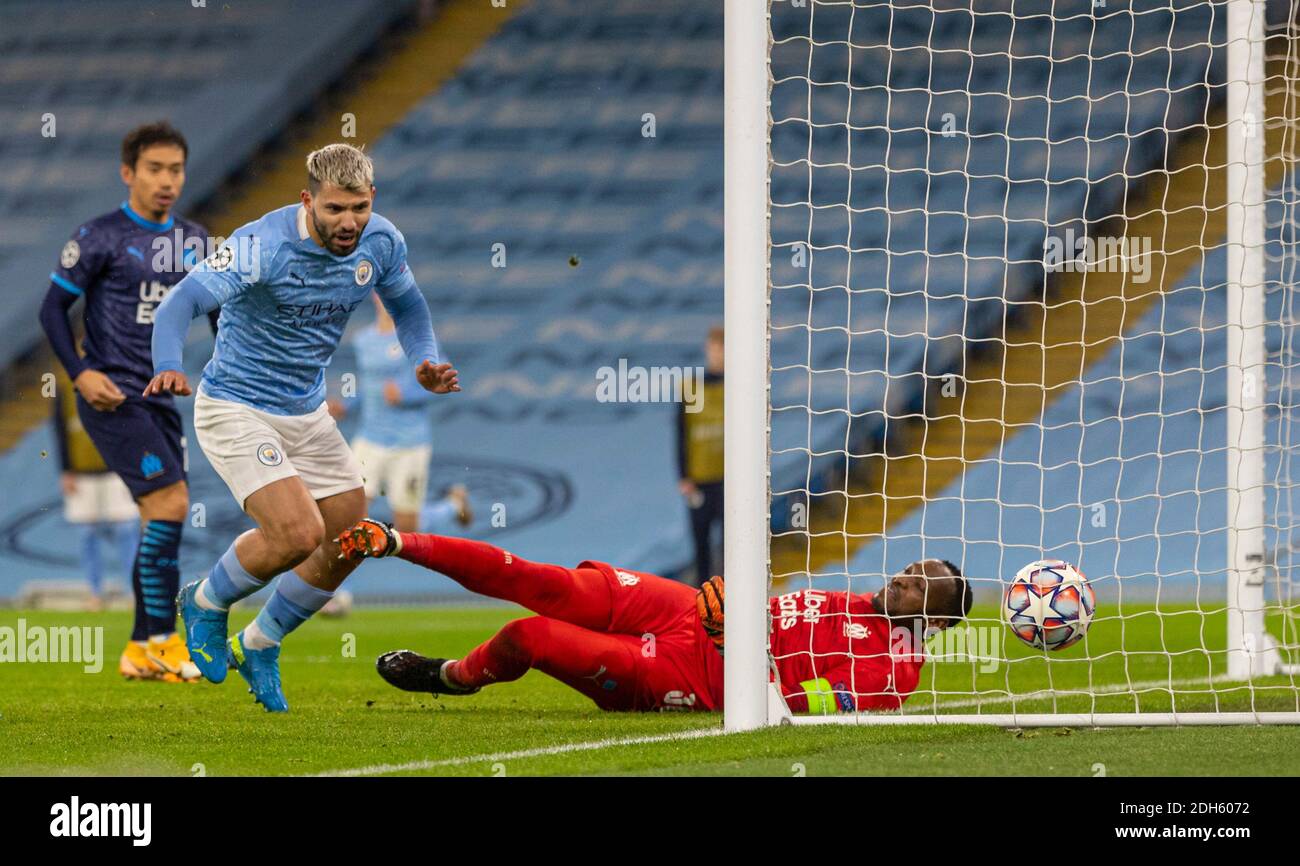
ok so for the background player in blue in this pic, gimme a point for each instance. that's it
(394, 442)
(286, 286)
(123, 263)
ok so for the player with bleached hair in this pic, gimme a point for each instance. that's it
(286, 286)
(635, 641)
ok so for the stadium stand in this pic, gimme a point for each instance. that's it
(961, 153)
(93, 73)
(1142, 444)
(589, 148)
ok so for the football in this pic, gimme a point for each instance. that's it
(1049, 604)
(339, 606)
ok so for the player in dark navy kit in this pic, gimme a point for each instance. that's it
(123, 264)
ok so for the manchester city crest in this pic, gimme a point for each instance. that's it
(269, 455)
(365, 270)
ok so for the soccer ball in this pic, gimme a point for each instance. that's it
(339, 606)
(1049, 604)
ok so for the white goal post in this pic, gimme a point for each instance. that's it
(898, 178)
(745, 520)
(1250, 647)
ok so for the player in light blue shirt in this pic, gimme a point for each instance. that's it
(394, 442)
(286, 286)
(394, 408)
(285, 302)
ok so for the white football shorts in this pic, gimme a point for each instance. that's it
(402, 474)
(250, 448)
(100, 497)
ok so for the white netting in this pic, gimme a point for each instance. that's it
(999, 332)
(1282, 469)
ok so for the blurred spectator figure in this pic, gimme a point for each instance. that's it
(700, 458)
(95, 500)
(394, 442)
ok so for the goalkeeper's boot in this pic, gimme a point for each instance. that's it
(136, 665)
(261, 670)
(368, 539)
(170, 654)
(205, 634)
(416, 673)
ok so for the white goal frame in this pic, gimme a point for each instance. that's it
(750, 700)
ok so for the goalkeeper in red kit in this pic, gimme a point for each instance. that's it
(635, 641)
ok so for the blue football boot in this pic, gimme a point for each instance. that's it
(205, 634)
(261, 670)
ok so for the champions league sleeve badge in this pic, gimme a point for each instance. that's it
(71, 254)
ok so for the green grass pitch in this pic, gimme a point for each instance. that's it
(57, 719)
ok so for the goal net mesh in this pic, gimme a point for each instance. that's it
(998, 334)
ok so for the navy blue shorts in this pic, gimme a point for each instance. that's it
(143, 441)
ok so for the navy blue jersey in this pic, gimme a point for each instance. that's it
(124, 265)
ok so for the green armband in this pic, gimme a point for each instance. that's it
(821, 700)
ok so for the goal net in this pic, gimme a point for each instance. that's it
(1029, 271)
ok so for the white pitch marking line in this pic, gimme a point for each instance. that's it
(698, 733)
(563, 748)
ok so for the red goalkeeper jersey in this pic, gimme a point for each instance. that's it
(832, 653)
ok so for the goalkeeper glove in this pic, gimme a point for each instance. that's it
(708, 604)
(368, 538)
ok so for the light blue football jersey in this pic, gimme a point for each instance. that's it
(380, 359)
(285, 302)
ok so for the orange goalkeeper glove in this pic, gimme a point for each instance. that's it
(708, 604)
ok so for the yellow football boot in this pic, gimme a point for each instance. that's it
(170, 655)
(135, 664)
